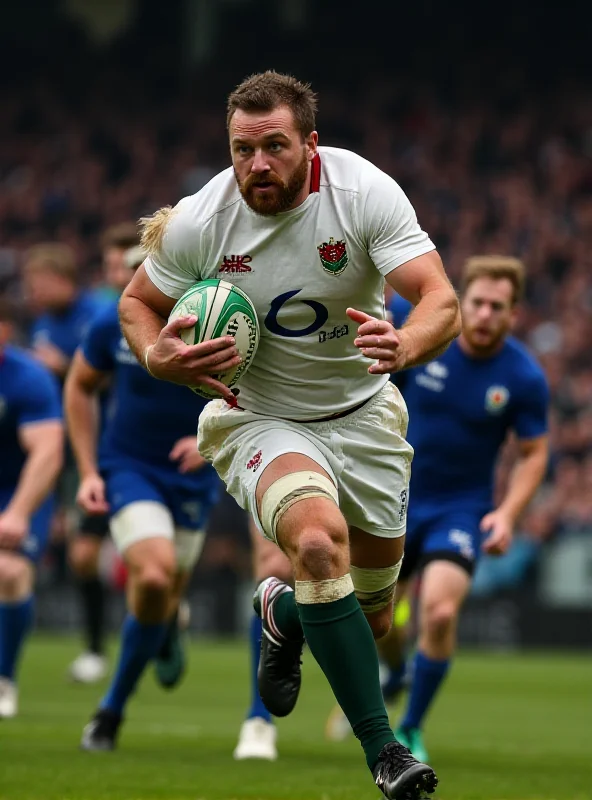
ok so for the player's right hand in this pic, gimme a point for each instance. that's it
(91, 495)
(13, 529)
(170, 359)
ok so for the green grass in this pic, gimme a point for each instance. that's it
(505, 728)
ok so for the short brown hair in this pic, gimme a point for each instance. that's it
(266, 91)
(52, 257)
(496, 267)
(124, 235)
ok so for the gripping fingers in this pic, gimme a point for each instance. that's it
(218, 387)
(375, 327)
(224, 365)
(379, 353)
(209, 347)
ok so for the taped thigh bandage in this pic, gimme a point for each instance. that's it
(283, 493)
(375, 588)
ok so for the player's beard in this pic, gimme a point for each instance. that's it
(283, 195)
(484, 347)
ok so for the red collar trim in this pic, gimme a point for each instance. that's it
(315, 174)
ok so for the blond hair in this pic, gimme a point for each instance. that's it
(497, 268)
(54, 257)
(152, 229)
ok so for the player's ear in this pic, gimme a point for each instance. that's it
(312, 141)
(514, 315)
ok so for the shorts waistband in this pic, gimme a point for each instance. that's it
(330, 418)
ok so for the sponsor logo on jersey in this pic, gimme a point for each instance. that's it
(255, 462)
(429, 382)
(437, 370)
(334, 257)
(235, 265)
(337, 332)
(123, 354)
(496, 399)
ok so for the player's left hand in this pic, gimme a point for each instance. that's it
(186, 453)
(500, 529)
(13, 529)
(378, 340)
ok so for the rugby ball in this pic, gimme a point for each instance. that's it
(221, 310)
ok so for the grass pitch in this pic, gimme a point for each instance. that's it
(505, 728)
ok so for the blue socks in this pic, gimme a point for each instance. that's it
(427, 675)
(139, 645)
(257, 708)
(394, 682)
(16, 620)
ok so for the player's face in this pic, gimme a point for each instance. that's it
(271, 160)
(487, 313)
(48, 291)
(117, 273)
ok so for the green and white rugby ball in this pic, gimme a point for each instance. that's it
(221, 310)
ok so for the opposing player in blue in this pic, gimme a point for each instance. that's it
(462, 407)
(62, 312)
(31, 447)
(157, 490)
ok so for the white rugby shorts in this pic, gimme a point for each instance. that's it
(146, 519)
(365, 453)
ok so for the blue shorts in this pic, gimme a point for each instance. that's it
(188, 498)
(35, 544)
(442, 534)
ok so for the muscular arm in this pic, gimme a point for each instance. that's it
(435, 321)
(82, 412)
(44, 445)
(143, 312)
(526, 476)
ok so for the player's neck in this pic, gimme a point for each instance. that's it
(473, 352)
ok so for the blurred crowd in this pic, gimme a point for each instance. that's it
(508, 173)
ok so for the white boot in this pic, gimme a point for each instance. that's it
(257, 739)
(8, 699)
(88, 668)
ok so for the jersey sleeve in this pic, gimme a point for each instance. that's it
(96, 344)
(389, 224)
(40, 398)
(174, 267)
(532, 408)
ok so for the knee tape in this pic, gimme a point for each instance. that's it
(283, 493)
(375, 588)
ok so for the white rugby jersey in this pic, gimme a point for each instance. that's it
(301, 269)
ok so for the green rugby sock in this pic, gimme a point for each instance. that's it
(286, 617)
(341, 641)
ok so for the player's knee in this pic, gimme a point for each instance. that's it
(154, 580)
(83, 556)
(380, 622)
(440, 618)
(16, 576)
(322, 549)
